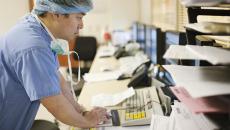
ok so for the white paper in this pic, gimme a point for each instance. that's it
(185, 119)
(103, 100)
(102, 76)
(179, 52)
(145, 127)
(129, 63)
(202, 2)
(106, 51)
(213, 55)
(201, 81)
(221, 38)
(210, 27)
(159, 122)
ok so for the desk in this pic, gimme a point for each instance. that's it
(108, 87)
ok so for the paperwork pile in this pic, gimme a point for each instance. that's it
(213, 55)
(210, 27)
(201, 90)
(182, 119)
(103, 100)
(102, 76)
(106, 51)
(203, 2)
(201, 81)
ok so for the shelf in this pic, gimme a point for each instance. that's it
(209, 3)
(193, 13)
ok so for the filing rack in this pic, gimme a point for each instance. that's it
(193, 13)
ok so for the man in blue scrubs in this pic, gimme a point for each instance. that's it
(29, 67)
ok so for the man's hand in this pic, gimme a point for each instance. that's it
(96, 115)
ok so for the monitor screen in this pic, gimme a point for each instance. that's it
(134, 31)
(148, 40)
(157, 45)
(141, 35)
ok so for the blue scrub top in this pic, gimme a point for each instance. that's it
(28, 72)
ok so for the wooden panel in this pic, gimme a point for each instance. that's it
(31, 4)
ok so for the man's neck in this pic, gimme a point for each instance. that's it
(49, 24)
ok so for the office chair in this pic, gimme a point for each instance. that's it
(44, 125)
(86, 48)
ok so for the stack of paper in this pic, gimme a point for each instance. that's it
(224, 41)
(213, 55)
(201, 105)
(102, 76)
(183, 119)
(103, 100)
(203, 2)
(201, 81)
(106, 51)
(159, 122)
(210, 27)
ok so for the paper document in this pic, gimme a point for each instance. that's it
(201, 105)
(202, 2)
(213, 55)
(106, 51)
(159, 122)
(201, 81)
(220, 38)
(186, 120)
(210, 27)
(102, 76)
(224, 41)
(179, 52)
(103, 100)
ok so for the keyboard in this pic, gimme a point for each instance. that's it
(138, 109)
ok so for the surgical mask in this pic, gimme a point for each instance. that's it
(61, 47)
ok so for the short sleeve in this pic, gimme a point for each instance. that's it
(37, 70)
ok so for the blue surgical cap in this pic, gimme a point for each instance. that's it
(62, 6)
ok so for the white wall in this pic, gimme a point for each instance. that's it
(146, 11)
(111, 14)
(10, 12)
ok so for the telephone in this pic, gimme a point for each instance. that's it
(128, 50)
(140, 76)
(120, 52)
(161, 74)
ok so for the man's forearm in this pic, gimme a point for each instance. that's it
(64, 111)
(68, 94)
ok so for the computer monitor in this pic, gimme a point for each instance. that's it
(134, 31)
(138, 34)
(141, 35)
(157, 45)
(121, 37)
